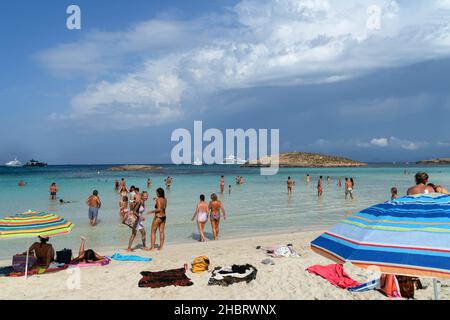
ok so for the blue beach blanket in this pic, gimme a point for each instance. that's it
(119, 257)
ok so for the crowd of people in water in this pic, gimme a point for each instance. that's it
(133, 210)
(349, 185)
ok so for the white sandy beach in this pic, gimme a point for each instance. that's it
(287, 279)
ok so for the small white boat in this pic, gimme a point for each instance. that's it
(15, 163)
(198, 162)
(231, 159)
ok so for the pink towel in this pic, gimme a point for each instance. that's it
(335, 274)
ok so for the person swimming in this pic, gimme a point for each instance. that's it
(421, 186)
(201, 213)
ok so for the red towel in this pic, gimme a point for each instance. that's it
(335, 274)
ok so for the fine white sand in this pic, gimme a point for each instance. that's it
(287, 279)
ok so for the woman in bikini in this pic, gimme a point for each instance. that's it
(138, 210)
(159, 221)
(201, 212)
(87, 256)
(215, 208)
(222, 184)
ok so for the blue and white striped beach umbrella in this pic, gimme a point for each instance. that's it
(407, 236)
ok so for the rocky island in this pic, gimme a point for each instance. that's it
(135, 167)
(306, 160)
(435, 161)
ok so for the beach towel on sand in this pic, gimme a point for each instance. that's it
(371, 285)
(102, 263)
(39, 270)
(335, 274)
(224, 276)
(119, 257)
(174, 277)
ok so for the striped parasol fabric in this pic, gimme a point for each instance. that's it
(408, 236)
(33, 224)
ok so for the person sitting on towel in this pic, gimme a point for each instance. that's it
(42, 251)
(87, 256)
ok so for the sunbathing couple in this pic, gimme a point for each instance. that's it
(213, 210)
(45, 254)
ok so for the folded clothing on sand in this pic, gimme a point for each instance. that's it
(119, 257)
(224, 276)
(335, 274)
(279, 251)
(174, 277)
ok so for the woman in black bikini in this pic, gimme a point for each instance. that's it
(159, 222)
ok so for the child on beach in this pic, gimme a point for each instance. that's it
(394, 193)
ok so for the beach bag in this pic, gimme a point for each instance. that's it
(389, 286)
(19, 262)
(64, 256)
(130, 220)
(407, 286)
(200, 264)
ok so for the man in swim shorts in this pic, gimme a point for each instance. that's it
(94, 205)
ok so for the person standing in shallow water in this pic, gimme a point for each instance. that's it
(53, 189)
(348, 188)
(94, 205)
(216, 208)
(222, 184)
(394, 193)
(201, 213)
(308, 178)
(289, 182)
(319, 187)
(159, 221)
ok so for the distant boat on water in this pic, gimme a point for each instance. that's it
(14, 164)
(198, 162)
(34, 163)
(231, 159)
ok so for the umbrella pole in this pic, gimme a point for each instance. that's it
(435, 288)
(26, 265)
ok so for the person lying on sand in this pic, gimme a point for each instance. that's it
(87, 256)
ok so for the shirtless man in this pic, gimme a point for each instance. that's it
(53, 189)
(421, 185)
(290, 182)
(94, 204)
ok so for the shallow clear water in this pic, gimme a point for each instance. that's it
(260, 205)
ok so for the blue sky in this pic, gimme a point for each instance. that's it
(113, 91)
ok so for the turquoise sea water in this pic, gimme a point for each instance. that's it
(261, 205)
